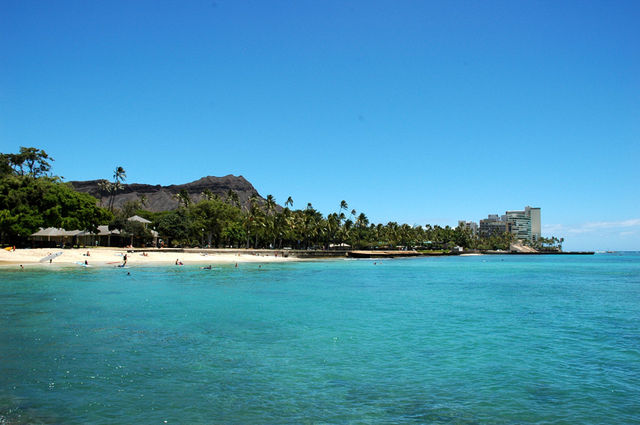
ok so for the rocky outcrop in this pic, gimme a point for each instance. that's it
(163, 198)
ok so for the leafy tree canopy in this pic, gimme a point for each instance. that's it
(30, 199)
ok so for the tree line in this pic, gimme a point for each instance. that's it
(31, 198)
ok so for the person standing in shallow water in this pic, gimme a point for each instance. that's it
(124, 260)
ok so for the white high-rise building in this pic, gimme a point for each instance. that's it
(525, 224)
(519, 224)
(536, 228)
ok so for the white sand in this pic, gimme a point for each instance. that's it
(110, 257)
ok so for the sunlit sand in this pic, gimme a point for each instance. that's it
(111, 257)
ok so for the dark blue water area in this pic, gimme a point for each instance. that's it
(484, 339)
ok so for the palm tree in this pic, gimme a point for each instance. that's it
(341, 217)
(208, 194)
(270, 206)
(253, 219)
(343, 205)
(232, 198)
(289, 202)
(183, 198)
(362, 220)
(119, 176)
(333, 225)
(105, 189)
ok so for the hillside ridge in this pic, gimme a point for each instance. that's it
(162, 198)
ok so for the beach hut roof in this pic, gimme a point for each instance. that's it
(45, 232)
(104, 231)
(54, 231)
(139, 219)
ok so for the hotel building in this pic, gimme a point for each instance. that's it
(493, 225)
(525, 224)
(469, 225)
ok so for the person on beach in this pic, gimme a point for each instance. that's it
(21, 267)
(178, 262)
(86, 263)
(124, 260)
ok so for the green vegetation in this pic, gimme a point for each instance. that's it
(112, 188)
(218, 222)
(548, 244)
(30, 198)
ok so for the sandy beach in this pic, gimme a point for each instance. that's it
(111, 257)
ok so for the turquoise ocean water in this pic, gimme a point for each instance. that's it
(460, 340)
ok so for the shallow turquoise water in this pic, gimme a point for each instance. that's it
(494, 339)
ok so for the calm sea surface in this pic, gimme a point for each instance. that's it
(492, 339)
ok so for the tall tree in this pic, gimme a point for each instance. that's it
(232, 198)
(119, 176)
(344, 205)
(29, 199)
(183, 198)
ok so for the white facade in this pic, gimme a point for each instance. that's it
(519, 224)
(536, 227)
(525, 224)
(470, 225)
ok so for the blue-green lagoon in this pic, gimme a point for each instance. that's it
(461, 340)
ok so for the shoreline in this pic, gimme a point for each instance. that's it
(113, 257)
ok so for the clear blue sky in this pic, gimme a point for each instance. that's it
(413, 111)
